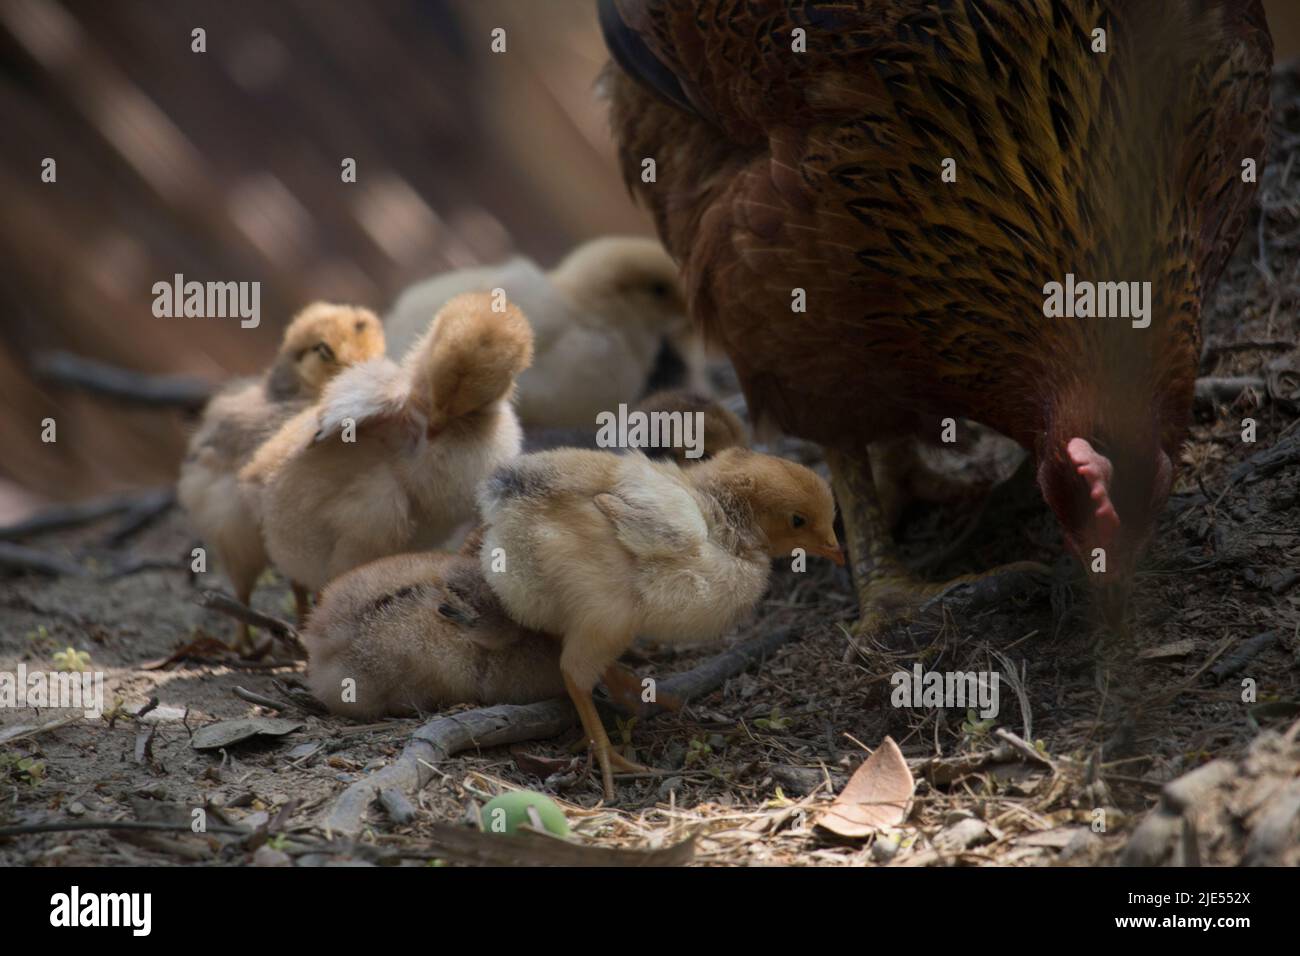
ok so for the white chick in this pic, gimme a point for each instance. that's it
(389, 458)
(599, 548)
(321, 341)
(599, 320)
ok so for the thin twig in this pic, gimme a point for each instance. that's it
(19, 557)
(100, 378)
(68, 825)
(1024, 747)
(255, 698)
(61, 517)
(225, 604)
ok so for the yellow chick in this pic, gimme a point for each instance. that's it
(598, 548)
(419, 632)
(600, 320)
(320, 342)
(387, 461)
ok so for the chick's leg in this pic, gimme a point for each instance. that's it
(243, 580)
(579, 689)
(886, 589)
(594, 730)
(301, 602)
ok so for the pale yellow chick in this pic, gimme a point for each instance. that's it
(600, 319)
(600, 548)
(420, 632)
(388, 460)
(321, 341)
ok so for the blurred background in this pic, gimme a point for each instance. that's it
(225, 165)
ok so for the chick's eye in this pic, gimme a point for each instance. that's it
(659, 290)
(798, 521)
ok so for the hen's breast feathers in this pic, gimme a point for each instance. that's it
(821, 171)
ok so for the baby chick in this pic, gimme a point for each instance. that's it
(721, 429)
(419, 632)
(321, 341)
(600, 319)
(388, 460)
(599, 548)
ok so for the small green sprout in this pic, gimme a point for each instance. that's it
(973, 726)
(72, 660)
(774, 722)
(696, 751)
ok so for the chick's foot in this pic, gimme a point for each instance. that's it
(598, 739)
(627, 691)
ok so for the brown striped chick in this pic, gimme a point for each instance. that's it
(388, 460)
(701, 438)
(599, 548)
(716, 427)
(321, 341)
(415, 633)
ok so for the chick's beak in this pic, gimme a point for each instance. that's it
(832, 551)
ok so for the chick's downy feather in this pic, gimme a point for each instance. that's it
(388, 460)
(322, 340)
(604, 546)
(599, 320)
(414, 633)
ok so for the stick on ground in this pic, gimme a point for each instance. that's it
(60, 517)
(17, 557)
(225, 604)
(442, 737)
(157, 391)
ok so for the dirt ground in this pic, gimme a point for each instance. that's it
(747, 769)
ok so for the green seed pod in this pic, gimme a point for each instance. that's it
(507, 812)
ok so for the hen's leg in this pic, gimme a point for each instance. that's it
(887, 590)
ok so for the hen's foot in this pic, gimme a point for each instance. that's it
(887, 592)
(895, 596)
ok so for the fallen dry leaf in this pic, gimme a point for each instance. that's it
(542, 766)
(226, 733)
(202, 648)
(878, 795)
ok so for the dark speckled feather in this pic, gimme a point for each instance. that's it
(821, 171)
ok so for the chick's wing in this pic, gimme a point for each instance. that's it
(654, 517)
(370, 393)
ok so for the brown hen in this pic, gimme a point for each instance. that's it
(815, 161)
